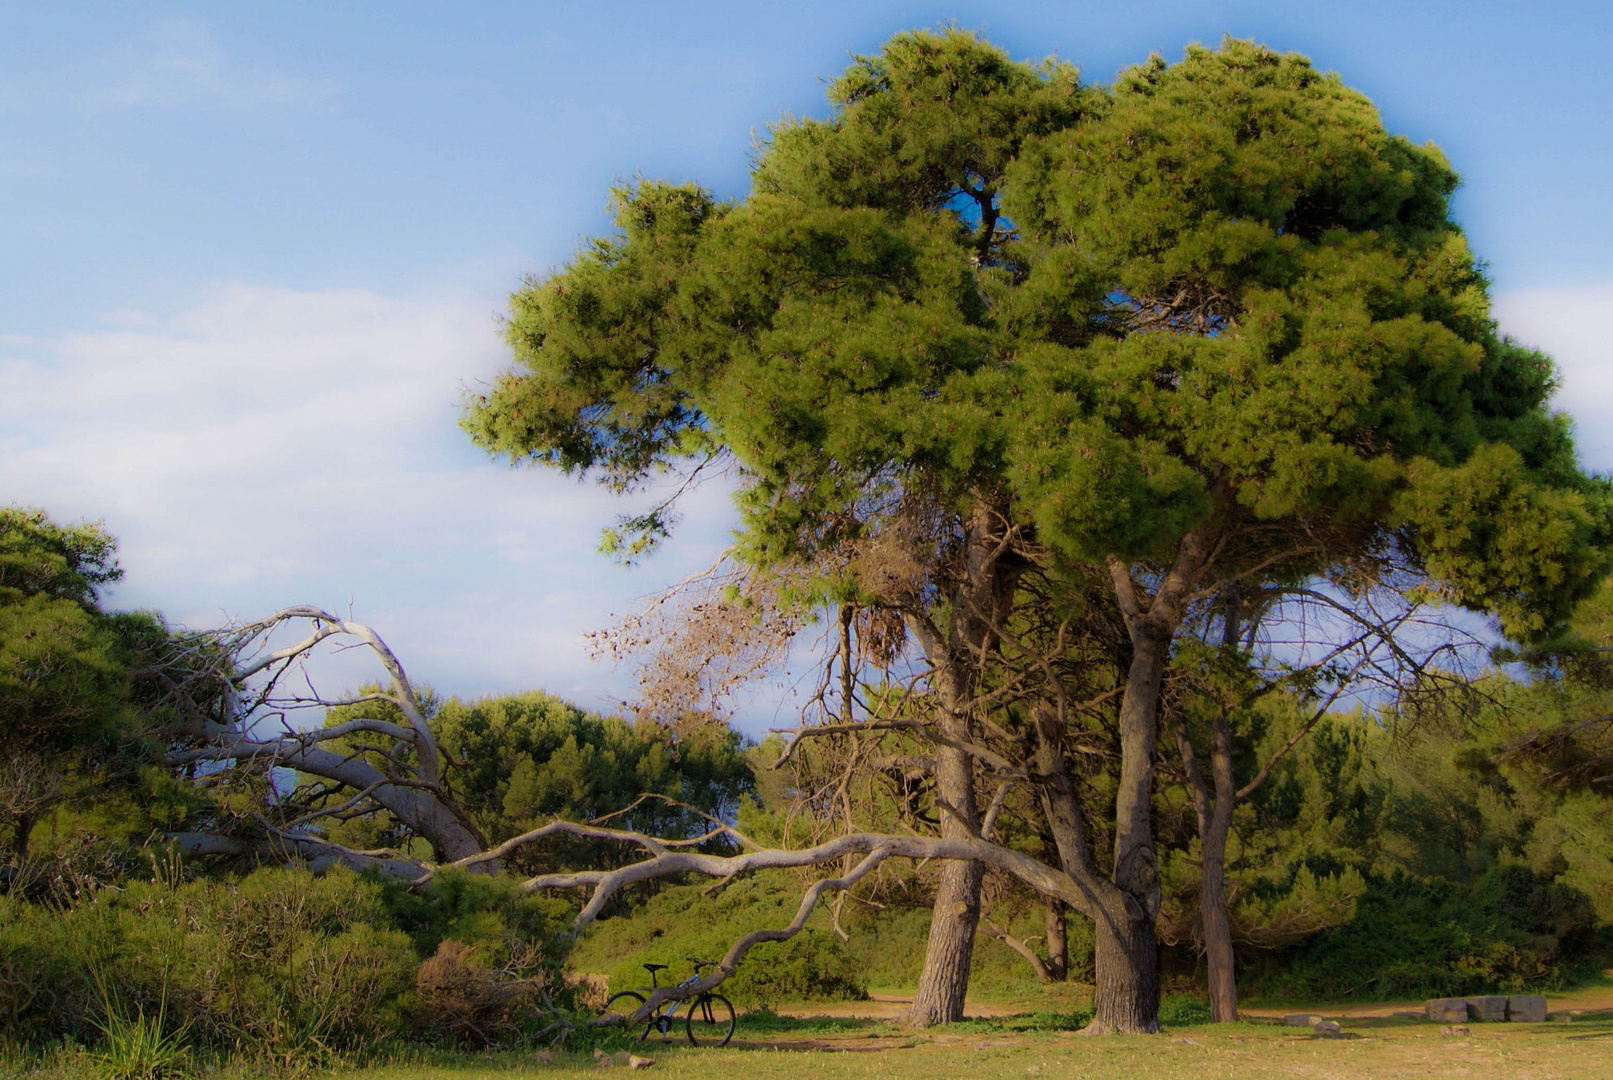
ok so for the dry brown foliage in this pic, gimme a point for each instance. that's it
(463, 1001)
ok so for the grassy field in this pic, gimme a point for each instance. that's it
(779, 1049)
(1576, 1043)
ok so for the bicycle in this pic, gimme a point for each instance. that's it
(708, 1021)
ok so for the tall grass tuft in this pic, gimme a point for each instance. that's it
(138, 1046)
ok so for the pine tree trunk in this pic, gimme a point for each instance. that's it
(984, 593)
(945, 978)
(19, 840)
(1126, 1000)
(1217, 929)
(1058, 945)
(1127, 950)
(1213, 909)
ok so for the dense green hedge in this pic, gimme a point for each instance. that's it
(279, 962)
(1510, 930)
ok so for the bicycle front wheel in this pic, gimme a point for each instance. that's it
(710, 1020)
(625, 1005)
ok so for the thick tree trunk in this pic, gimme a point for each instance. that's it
(1126, 998)
(947, 954)
(945, 978)
(1127, 953)
(1058, 944)
(1217, 929)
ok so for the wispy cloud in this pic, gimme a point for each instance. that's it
(180, 62)
(1571, 324)
(271, 447)
(173, 64)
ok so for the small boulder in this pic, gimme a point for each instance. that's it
(1302, 1020)
(1326, 1027)
(1527, 1008)
(636, 1062)
(1453, 1029)
(622, 1057)
(1447, 1010)
(1491, 1008)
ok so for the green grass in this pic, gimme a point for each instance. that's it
(1015, 1048)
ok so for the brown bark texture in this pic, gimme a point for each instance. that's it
(1058, 944)
(983, 592)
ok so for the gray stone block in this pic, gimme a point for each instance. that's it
(1527, 1008)
(1301, 1019)
(1326, 1027)
(1447, 1010)
(1492, 1008)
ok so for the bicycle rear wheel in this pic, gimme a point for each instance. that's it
(710, 1020)
(625, 1005)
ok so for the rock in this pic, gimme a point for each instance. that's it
(1447, 1010)
(1326, 1027)
(1527, 1008)
(623, 1057)
(1453, 1029)
(636, 1062)
(1491, 1008)
(1302, 1020)
(602, 1059)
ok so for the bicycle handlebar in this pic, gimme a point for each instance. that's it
(698, 964)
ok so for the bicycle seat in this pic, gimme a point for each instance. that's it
(656, 967)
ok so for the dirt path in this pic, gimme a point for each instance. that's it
(1595, 999)
(894, 1007)
(887, 1007)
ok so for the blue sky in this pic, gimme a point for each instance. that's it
(250, 253)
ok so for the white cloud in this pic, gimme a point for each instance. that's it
(272, 447)
(1571, 324)
(180, 61)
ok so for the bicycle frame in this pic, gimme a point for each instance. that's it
(671, 1007)
(713, 1013)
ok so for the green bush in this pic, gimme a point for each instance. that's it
(280, 962)
(1511, 930)
(681, 922)
(508, 928)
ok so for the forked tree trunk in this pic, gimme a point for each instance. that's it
(1058, 943)
(983, 594)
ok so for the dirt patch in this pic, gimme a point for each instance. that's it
(1586, 1001)
(887, 1007)
(852, 1044)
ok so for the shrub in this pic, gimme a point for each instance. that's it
(461, 1000)
(280, 962)
(1511, 930)
(682, 922)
